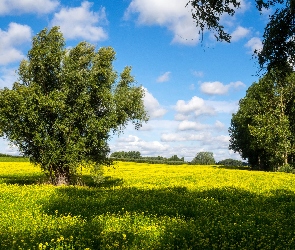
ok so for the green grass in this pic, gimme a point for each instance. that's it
(13, 159)
(142, 206)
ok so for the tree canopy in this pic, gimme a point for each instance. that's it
(66, 103)
(263, 129)
(126, 155)
(231, 163)
(204, 158)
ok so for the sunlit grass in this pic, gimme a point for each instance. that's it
(142, 206)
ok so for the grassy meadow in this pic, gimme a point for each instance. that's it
(142, 206)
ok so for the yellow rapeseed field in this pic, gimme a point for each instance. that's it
(148, 206)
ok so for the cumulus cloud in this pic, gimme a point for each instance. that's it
(189, 125)
(27, 6)
(164, 78)
(134, 143)
(218, 88)
(152, 106)
(171, 14)
(214, 88)
(254, 44)
(196, 105)
(239, 33)
(16, 35)
(81, 22)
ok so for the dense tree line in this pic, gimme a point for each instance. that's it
(263, 129)
(136, 156)
(201, 158)
(232, 163)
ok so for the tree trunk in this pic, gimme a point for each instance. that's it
(60, 175)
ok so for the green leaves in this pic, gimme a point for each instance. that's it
(207, 13)
(262, 130)
(66, 103)
(279, 44)
(204, 158)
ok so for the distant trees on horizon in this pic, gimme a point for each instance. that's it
(202, 158)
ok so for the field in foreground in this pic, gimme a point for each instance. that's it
(141, 206)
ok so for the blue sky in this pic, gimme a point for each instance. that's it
(192, 87)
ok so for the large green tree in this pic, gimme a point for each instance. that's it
(66, 103)
(204, 158)
(278, 50)
(263, 128)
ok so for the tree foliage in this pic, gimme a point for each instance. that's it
(131, 155)
(67, 101)
(207, 13)
(175, 158)
(126, 155)
(231, 163)
(263, 128)
(204, 158)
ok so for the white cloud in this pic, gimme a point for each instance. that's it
(189, 125)
(176, 17)
(217, 142)
(130, 138)
(254, 44)
(193, 104)
(7, 77)
(178, 137)
(146, 127)
(81, 22)
(153, 146)
(219, 125)
(224, 139)
(134, 143)
(196, 105)
(181, 117)
(16, 35)
(171, 14)
(152, 106)
(244, 6)
(206, 139)
(158, 125)
(228, 107)
(27, 6)
(214, 88)
(239, 33)
(164, 78)
(218, 88)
